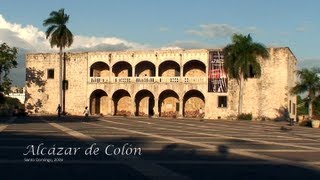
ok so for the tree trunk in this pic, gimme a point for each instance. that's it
(60, 78)
(310, 100)
(311, 97)
(0, 74)
(310, 109)
(241, 84)
(64, 85)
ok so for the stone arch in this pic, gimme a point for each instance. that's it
(122, 69)
(144, 100)
(99, 69)
(194, 68)
(99, 102)
(122, 103)
(168, 103)
(193, 100)
(169, 68)
(145, 68)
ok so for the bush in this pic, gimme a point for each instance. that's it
(305, 123)
(263, 118)
(13, 103)
(11, 106)
(2, 98)
(245, 116)
(4, 112)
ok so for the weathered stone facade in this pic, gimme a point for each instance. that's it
(157, 83)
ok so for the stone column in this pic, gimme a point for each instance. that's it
(156, 68)
(110, 106)
(110, 68)
(181, 69)
(133, 71)
(133, 66)
(181, 74)
(156, 107)
(133, 107)
(180, 107)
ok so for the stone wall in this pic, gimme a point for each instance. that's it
(77, 76)
(266, 96)
(263, 97)
(42, 94)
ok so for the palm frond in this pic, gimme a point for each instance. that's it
(50, 30)
(256, 68)
(58, 32)
(242, 55)
(309, 81)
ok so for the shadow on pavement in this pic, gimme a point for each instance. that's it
(39, 119)
(183, 159)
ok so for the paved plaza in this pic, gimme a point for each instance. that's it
(48, 147)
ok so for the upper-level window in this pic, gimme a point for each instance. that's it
(50, 74)
(252, 74)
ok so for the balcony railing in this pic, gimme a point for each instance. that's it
(145, 79)
(122, 79)
(188, 80)
(195, 79)
(169, 79)
(99, 79)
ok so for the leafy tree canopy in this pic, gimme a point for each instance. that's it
(241, 55)
(8, 56)
(58, 33)
(309, 81)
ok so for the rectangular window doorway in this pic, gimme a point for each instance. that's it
(50, 74)
(222, 101)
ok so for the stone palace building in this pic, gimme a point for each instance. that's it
(165, 83)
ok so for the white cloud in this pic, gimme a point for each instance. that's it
(214, 30)
(29, 37)
(309, 62)
(32, 39)
(186, 45)
(170, 48)
(91, 42)
(164, 29)
(305, 27)
(301, 29)
(219, 30)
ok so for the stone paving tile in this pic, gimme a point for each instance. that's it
(313, 144)
(67, 171)
(241, 171)
(255, 146)
(208, 161)
(296, 156)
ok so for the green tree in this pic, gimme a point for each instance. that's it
(8, 61)
(316, 106)
(60, 36)
(302, 108)
(309, 81)
(241, 60)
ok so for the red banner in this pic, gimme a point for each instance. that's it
(217, 80)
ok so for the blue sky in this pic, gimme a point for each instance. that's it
(145, 24)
